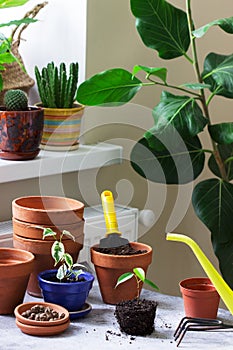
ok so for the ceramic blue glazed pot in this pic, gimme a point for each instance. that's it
(71, 295)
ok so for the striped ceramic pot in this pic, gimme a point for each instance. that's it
(62, 128)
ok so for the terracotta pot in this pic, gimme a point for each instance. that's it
(43, 260)
(200, 297)
(20, 133)
(15, 268)
(61, 127)
(109, 268)
(28, 230)
(47, 210)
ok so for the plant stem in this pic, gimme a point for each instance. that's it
(171, 87)
(216, 153)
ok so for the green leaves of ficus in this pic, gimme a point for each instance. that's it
(171, 152)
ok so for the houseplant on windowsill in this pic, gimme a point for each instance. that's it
(57, 88)
(69, 285)
(13, 74)
(171, 151)
(21, 127)
(136, 317)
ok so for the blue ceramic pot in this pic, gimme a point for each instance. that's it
(72, 295)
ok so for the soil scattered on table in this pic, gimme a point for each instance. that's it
(126, 249)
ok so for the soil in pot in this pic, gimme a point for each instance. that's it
(136, 317)
(126, 249)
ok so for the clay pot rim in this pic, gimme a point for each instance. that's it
(29, 257)
(31, 108)
(196, 281)
(145, 246)
(71, 200)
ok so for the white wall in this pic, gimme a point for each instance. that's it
(58, 35)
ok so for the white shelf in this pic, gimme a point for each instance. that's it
(52, 163)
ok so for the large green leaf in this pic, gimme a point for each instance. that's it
(226, 152)
(182, 112)
(225, 24)
(12, 3)
(162, 27)
(212, 201)
(218, 72)
(114, 86)
(177, 162)
(222, 133)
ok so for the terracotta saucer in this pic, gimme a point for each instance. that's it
(26, 306)
(18, 155)
(47, 330)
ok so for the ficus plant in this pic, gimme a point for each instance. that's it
(171, 151)
(67, 270)
(139, 274)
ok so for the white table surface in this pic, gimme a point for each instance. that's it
(99, 330)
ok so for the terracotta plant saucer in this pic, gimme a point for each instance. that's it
(26, 306)
(40, 330)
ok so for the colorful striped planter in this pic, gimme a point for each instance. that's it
(61, 128)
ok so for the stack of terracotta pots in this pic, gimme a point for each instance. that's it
(31, 215)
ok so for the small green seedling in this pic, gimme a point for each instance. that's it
(67, 270)
(140, 276)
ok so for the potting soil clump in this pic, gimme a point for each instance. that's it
(136, 317)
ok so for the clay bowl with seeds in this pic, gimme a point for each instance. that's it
(41, 314)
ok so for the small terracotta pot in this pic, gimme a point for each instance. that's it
(47, 210)
(15, 268)
(28, 230)
(200, 297)
(109, 268)
(43, 260)
(21, 133)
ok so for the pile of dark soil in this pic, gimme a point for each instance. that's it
(122, 250)
(136, 317)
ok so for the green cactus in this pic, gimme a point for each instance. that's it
(15, 100)
(56, 86)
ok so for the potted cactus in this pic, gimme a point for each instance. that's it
(62, 116)
(21, 127)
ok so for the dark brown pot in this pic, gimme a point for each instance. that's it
(136, 317)
(109, 268)
(47, 210)
(43, 260)
(21, 133)
(200, 297)
(15, 268)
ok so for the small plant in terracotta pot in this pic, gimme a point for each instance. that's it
(136, 317)
(69, 285)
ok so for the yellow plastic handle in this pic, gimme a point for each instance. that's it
(221, 286)
(109, 212)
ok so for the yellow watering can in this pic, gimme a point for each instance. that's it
(221, 286)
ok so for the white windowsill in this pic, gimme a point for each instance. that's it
(52, 163)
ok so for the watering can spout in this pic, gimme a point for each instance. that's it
(221, 286)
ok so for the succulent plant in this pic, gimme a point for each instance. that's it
(15, 100)
(56, 86)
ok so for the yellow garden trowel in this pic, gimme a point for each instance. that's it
(113, 238)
